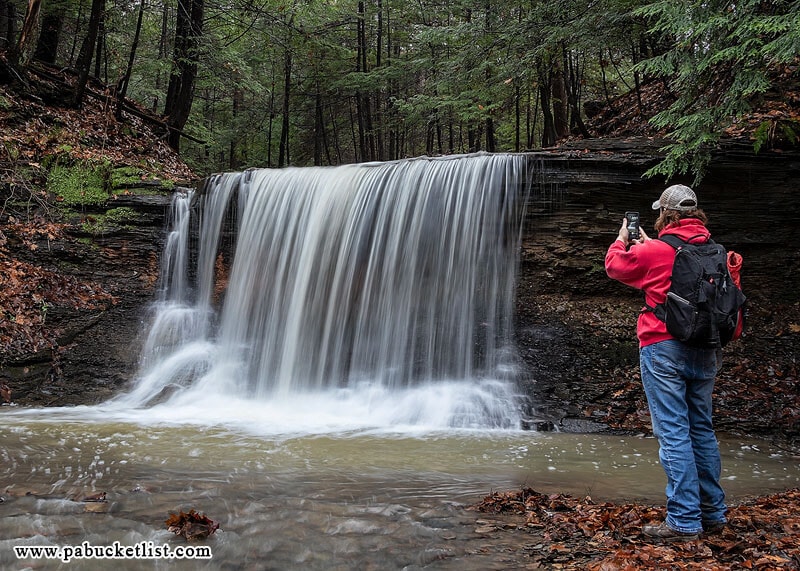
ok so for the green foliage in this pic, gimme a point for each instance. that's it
(770, 132)
(114, 218)
(718, 61)
(125, 176)
(11, 150)
(443, 70)
(79, 184)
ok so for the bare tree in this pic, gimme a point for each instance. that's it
(85, 57)
(22, 52)
(122, 87)
(185, 56)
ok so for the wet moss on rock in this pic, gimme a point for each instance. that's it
(114, 219)
(79, 184)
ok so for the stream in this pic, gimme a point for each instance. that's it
(358, 498)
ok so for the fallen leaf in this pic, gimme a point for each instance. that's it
(191, 525)
(98, 497)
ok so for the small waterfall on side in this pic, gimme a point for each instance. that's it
(370, 295)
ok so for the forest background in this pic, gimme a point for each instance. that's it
(274, 83)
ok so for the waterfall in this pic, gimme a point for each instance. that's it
(388, 283)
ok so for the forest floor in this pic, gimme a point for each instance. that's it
(582, 350)
(579, 533)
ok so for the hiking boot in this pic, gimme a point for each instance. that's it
(713, 527)
(665, 533)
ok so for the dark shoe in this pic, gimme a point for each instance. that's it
(713, 527)
(665, 533)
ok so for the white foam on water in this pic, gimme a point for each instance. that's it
(369, 408)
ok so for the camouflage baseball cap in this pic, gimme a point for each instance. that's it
(677, 197)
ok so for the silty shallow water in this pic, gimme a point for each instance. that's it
(380, 498)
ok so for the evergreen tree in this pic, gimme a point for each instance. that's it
(718, 63)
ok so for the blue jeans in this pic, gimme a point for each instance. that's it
(678, 381)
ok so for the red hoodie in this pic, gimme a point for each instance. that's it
(648, 267)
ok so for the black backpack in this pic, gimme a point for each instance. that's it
(703, 305)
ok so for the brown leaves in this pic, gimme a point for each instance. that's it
(762, 534)
(191, 525)
(92, 133)
(97, 497)
(36, 228)
(755, 392)
(629, 114)
(28, 292)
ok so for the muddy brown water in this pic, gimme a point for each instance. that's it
(358, 499)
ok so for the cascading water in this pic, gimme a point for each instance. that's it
(380, 292)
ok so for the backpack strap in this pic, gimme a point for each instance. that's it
(677, 243)
(674, 241)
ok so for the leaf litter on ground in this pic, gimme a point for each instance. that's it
(578, 533)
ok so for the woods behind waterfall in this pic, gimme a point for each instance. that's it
(314, 83)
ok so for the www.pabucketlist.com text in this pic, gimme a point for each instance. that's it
(142, 550)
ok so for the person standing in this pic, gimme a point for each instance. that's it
(678, 379)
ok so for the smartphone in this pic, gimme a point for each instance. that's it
(633, 225)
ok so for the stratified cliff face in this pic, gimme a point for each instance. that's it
(577, 205)
(86, 354)
(575, 327)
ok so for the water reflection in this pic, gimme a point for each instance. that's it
(363, 499)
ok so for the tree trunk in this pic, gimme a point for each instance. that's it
(532, 118)
(163, 42)
(22, 52)
(74, 46)
(336, 144)
(379, 93)
(283, 149)
(320, 133)
(47, 46)
(491, 143)
(8, 29)
(517, 117)
(85, 57)
(180, 92)
(234, 161)
(365, 135)
(271, 118)
(122, 88)
(559, 101)
(548, 123)
(100, 47)
(574, 98)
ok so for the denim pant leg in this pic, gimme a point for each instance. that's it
(703, 366)
(662, 367)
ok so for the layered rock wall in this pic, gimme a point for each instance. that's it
(579, 198)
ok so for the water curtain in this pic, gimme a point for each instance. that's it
(392, 275)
